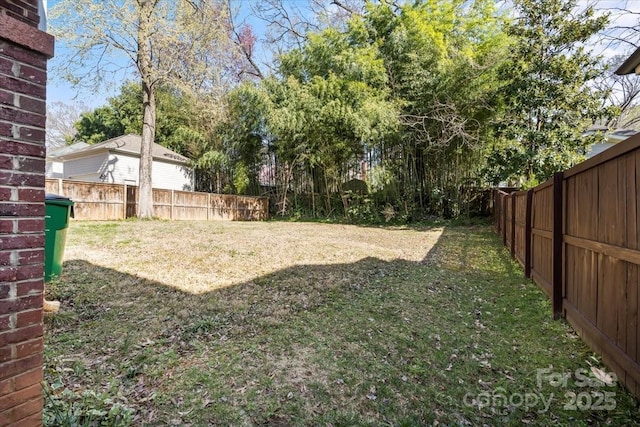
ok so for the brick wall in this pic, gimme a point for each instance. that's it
(22, 10)
(24, 51)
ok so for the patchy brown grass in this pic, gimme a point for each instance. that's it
(193, 323)
(199, 257)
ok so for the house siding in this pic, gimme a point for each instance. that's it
(54, 170)
(120, 168)
(87, 168)
(125, 169)
(599, 148)
(171, 176)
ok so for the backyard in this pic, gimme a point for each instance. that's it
(278, 323)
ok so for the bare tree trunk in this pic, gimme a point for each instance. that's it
(145, 202)
(145, 194)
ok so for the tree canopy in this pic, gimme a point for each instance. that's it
(394, 111)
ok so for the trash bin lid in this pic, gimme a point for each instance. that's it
(51, 196)
(56, 199)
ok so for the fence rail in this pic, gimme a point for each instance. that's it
(99, 201)
(577, 236)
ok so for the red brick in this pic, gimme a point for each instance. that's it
(27, 378)
(20, 396)
(25, 241)
(6, 65)
(22, 149)
(5, 322)
(30, 287)
(31, 256)
(21, 10)
(5, 258)
(32, 165)
(6, 129)
(15, 115)
(25, 4)
(20, 304)
(5, 354)
(23, 178)
(38, 106)
(6, 225)
(6, 162)
(32, 135)
(27, 318)
(31, 226)
(18, 336)
(24, 87)
(25, 35)
(30, 421)
(23, 55)
(33, 75)
(5, 289)
(5, 194)
(7, 386)
(6, 97)
(31, 194)
(19, 413)
(28, 348)
(8, 274)
(14, 367)
(21, 209)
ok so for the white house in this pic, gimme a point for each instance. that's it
(55, 166)
(117, 161)
(609, 138)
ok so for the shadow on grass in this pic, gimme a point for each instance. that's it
(360, 343)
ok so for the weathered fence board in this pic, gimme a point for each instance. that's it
(98, 201)
(582, 237)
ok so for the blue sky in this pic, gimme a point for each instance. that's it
(59, 90)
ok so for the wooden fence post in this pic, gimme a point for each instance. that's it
(504, 220)
(124, 199)
(558, 234)
(513, 225)
(60, 186)
(497, 209)
(528, 225)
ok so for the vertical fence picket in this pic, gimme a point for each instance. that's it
(527, 234)
(504, 220)
(558, 231)
(513, 224)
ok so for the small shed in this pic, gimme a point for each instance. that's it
(117, 161)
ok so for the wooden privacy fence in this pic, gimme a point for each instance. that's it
(577, 237)
(99, 201)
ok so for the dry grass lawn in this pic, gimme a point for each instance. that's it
(274, 323)
(199, 257)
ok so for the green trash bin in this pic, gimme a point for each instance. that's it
(58, 210)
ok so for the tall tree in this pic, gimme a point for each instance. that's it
(122, 114)
(548, 96)
(160, 40)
